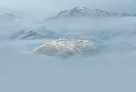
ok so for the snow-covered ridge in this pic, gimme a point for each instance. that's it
(63, 47)
(35, 33)
(11, 24)
(86, 12)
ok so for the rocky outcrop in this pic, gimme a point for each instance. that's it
(64, 48)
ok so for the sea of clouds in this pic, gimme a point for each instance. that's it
(111, 69)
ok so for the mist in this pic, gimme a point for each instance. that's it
(23, 71)
(111, 69)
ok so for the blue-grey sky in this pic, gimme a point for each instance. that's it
(41, 9)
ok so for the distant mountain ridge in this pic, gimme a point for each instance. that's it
(71, 21)
(7, 16)
(10, 23)
(86, 12)
(36, 33)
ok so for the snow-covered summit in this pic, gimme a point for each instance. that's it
(86, 12)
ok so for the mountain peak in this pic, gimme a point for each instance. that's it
(86, 12)
(83, 12)
(79, 8)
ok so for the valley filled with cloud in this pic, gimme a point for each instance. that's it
(72, 50)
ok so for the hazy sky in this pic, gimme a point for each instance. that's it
(41, 9)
